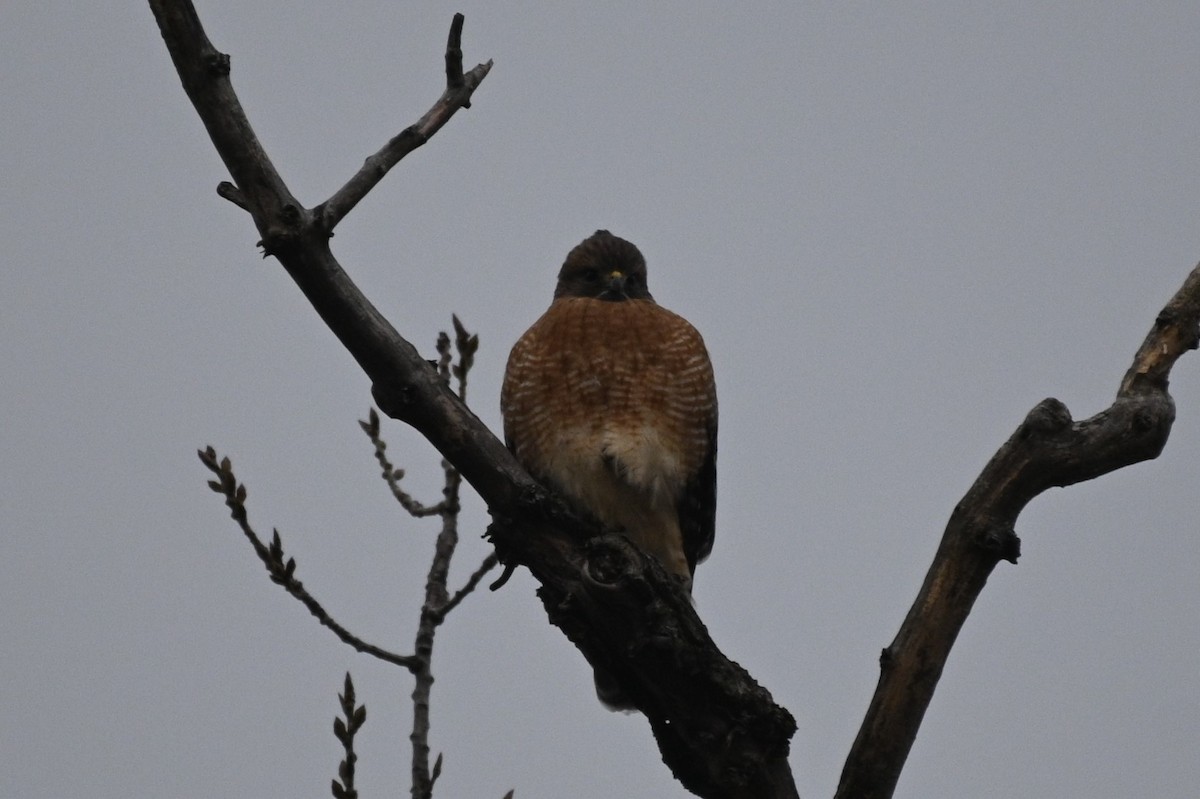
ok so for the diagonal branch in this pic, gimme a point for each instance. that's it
(718, 730)
(459, 88)
(204, 72)
(1048, 449)
(470, 585)
(283, 571)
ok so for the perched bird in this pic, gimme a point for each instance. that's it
(609, 399)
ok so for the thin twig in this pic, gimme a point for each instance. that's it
(392, 476)
(283, 571)
(459, 88)
(437, 601)
(467, 345)
(344, 731)
(470, 585)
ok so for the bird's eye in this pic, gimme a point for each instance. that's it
(591, 275)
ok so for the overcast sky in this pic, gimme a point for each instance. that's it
(898, 226)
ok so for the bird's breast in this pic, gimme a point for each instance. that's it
(619, 388)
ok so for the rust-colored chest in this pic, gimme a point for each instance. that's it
(626, 380)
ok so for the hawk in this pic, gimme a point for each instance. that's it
(609, 399)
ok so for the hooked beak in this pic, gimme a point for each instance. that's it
(615, 290)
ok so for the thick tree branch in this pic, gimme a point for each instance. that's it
(205, 75)
(1048, 449)
(719, 731)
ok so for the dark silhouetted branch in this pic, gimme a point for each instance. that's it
(719, 731)
(471, 584)
(345, 730)
(230, 192)
(437, 605)
(437, 600)
(1048, 449)
(392, 476)
(459, 88)
(283, 571)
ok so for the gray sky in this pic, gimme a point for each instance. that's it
(897, 228)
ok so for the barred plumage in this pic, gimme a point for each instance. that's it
(610, 399)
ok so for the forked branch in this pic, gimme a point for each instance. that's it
(459, 88)
(1048, 449)
(434, 610)
(718, 730)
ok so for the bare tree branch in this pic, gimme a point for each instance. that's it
(228, 191)
(459, 88)
(437, 603)
(284, 572)
(392, 476)
(205, 75)
(435, 599)
(1048, 449)
(471, 584)
(718, 730)
(344, 731)
(434, 608)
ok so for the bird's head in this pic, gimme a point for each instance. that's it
(603, 267)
